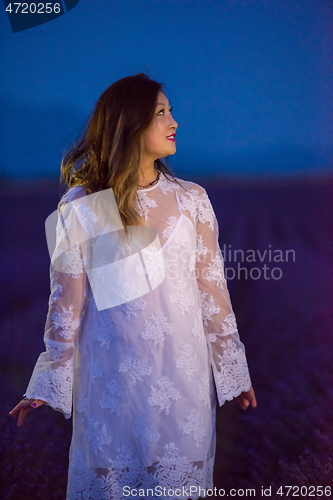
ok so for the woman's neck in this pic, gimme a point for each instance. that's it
(147, 175)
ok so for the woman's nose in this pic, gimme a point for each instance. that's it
(173, 123)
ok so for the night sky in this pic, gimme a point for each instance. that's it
(250, 82)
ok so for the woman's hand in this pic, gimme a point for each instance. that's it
(23, 408)
(246, 399)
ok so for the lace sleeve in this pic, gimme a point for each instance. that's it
(52, 377)
(226, 351)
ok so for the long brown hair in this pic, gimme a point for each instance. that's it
(108, 153)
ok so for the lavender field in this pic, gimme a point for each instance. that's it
(284, 315)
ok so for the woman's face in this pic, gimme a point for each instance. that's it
(160, 140)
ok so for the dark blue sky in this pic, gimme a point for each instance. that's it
(250, 81)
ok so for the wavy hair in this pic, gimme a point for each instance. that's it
(108, 153)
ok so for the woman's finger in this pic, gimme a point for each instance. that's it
(23, 408)
(23, 413)
(22, 404)
(252, 398)
(246, 403)
(254, 401)
(246, 399)
(243, 402)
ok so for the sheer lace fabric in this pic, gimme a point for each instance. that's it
(142, 377)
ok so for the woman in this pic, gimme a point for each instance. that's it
(143, 375)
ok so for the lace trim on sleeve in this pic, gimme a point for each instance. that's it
(53, 386)
(230, 370)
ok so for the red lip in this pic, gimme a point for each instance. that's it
(172, 138)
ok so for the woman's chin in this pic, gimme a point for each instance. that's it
(169, 153)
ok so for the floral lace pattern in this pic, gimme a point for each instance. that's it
(229, 325)
(103, 331)
(192, 262)
(156, 327)
(163, 394)
(72, 263)
(133, 307)
(209, 308)
(56, 291)
(53, 386)
(145, 430)
(167, 185)
(204, 390)
(65, 322)
(201, 248)
(188, 361)
(215, 271)
(95, 369)
(175, 470)
(112, 397)
(172, 222)
(195, 426)
(171, 470)
(188, 201)
(128, 292)
(182, 296)
(205, 211)
(180, 235)
(232, 377)
(97, 435)
(135, 367)
(56, 349)
(197, 329)
(143, 203)
(199, 206)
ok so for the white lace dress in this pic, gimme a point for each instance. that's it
(142, 377)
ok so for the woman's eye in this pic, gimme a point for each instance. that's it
(162, 110)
